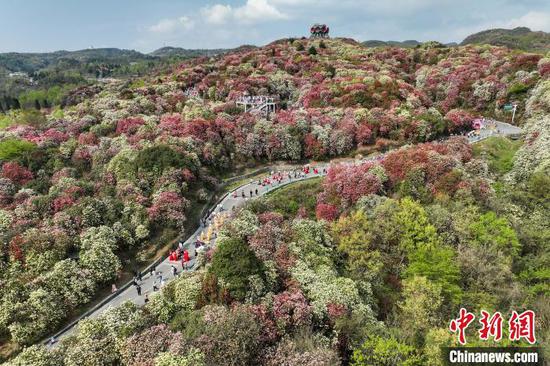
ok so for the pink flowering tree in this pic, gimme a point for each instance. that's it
(291, 309)
(345, 184)
(168, 208)
(16, 173)
(129, 126)
(459, 119)
(326, 211)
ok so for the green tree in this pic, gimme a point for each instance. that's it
(312, 50)
(435, 339)
(353, 238)
(414, 226)
(15, 148)
(425, 253)
(158, 158)
(493, 233)
(438, 264)
(414, 186)
(234, 262)
(420, 309)
(378, 351)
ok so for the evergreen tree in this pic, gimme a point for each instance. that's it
(234, 263)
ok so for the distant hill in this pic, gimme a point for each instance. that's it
(411, 43)
(186, 53)
(521, 38)
(404, 44)
(34, 62)
(44, 79)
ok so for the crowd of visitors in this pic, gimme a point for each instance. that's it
(209, 225)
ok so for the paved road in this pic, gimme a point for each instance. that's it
(235, 200)
(232, 200)
(499, 129)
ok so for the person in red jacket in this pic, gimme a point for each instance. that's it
(185, 259)
(186, 255)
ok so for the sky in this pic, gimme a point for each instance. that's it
(146, 25)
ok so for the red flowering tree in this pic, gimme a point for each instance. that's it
(291, 309)
(172, 125)
(325, 211)
(60, 203)
(129, 126)
(345, 184)
(16, 173)
(168, 208)
(459, 119)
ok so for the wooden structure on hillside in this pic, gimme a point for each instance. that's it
(319, 31)
(257, 104)
(191, 93)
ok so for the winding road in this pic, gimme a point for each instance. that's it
(229, 202)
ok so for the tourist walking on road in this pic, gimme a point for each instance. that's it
(185, 259)
(174, 270)
(186, 255)
(138, 289)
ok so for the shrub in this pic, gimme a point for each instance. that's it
(15, 148)
(234, 263)
(378, 351)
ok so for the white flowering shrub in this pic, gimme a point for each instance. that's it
(102, 263)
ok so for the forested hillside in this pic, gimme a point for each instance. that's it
(45, 80)
(370, 271)
(521, 38)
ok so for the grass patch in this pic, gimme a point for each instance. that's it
(289, 199)
(498, 152)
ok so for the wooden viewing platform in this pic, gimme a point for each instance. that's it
(262, 104)
(191, 93)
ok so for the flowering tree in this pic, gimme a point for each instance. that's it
(344, 184)
(157, 338)
(102, 263)
(16, 173)
(459, 119)
(325, 211)
(128, 126)
(168, 208)
(291, 309)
